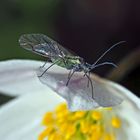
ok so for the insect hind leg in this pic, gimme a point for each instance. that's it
(90, 81)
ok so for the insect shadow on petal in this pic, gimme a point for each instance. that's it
(57, 54)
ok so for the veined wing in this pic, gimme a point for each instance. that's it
(43, 45)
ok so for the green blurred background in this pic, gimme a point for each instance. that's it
(19, 17)
(88, 27)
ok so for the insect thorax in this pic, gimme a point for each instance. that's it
(68, 62)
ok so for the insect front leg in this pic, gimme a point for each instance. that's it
(43, 65)
(88, 73)
(69, 73)
(48, 68)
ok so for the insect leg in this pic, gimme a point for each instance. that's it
(43, 65)
(70, 76)
(90, 84)
(88, 79)
(69, 73)
(48, 68)
(88, 73)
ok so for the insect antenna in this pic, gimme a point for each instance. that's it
(104, 63)
(95, 65)
(107, 52)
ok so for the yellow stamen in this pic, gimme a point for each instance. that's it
(63, 127)
(79, 114)
(45, 133)
(85, 126)
(70, 131)
(48, 119)
(55, 136)
(108, 136)
(116, 122)
(108, 108)
(96, 115)
(81, 125)
(61, 107)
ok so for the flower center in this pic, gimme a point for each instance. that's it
(99, 124)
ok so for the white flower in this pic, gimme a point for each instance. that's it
(20, 118)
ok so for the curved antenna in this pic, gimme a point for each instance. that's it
(107, 52)
(104, 63)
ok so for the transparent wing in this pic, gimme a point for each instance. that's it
(43, 45)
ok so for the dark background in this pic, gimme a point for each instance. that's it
(88, 27)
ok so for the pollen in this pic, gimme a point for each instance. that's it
(96, 115)
(47, 132)
(70, 132)
(48, 119)
(79, 114)
(108, 136)
(61, 107)
(99, 124)
(116, 122)
(84, 126)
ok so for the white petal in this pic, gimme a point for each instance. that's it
(77, 94)
(129, 111)
(128, 95)
(18, 77)
(21, 118)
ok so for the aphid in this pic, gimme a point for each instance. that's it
(57, 54)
